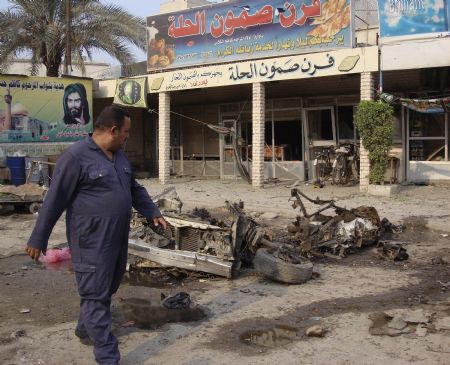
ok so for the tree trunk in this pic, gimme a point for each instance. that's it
(53, 69)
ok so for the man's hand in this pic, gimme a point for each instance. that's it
(160, 220)
(34, 253)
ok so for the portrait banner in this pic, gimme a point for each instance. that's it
(243, 30)
(409, 19)
(38, 109)
(131, 92)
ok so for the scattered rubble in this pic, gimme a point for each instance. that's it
(180, 300)
(421, 330)
(438, 261)
(18, 333)
(22, 192)
(380, 325)
(442, 324)
(388, 227)
(315, 331)
(391, 250)
(397, 322)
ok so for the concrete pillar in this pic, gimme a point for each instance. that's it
(258, 119)
(367, 93)
(164, 138)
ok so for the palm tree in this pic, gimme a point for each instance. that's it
(37, 28)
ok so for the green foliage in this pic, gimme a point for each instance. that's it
(37, 29)
(374, 121)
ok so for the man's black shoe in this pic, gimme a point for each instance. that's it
(81, 333)
(83, 336)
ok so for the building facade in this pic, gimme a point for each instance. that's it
(283, 113)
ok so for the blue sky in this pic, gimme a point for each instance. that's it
(141, 8)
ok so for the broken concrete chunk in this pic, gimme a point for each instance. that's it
(421, 330)
(379, 326)
(417, 316)
(410, 316)
(315, 331)
(442, 324)
(397, 323)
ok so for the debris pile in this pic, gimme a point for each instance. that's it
(198, 241)
(22, 192)
(414, 323)
(219, 245)
(339, 234)
(344, 232)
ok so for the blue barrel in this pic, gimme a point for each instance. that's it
(17, 167)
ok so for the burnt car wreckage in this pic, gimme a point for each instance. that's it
(196, 241)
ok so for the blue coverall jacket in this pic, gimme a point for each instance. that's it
(98, 194)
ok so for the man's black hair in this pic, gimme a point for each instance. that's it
(111, 116)
(81, 90)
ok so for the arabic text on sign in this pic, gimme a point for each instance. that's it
(226, 25)
(263, 70)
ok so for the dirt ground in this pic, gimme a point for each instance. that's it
(248, 320)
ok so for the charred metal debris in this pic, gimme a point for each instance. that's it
(343, 233)
(222, 243)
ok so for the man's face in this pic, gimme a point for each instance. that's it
(74, 105)
(120, 136)
(127, 90)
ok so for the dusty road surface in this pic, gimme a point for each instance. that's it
(248, 320)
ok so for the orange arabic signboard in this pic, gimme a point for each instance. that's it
(236, 31)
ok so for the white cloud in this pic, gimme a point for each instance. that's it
(436, 19)
(412, 30)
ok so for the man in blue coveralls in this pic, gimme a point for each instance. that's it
(94, 182)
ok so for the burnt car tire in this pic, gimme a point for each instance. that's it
(279, 270)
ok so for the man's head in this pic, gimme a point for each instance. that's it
(113, 125)
(128, 89)
(76, 107)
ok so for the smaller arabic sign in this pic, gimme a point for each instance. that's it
(413, 18)
(131, 92)
(283, 68)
